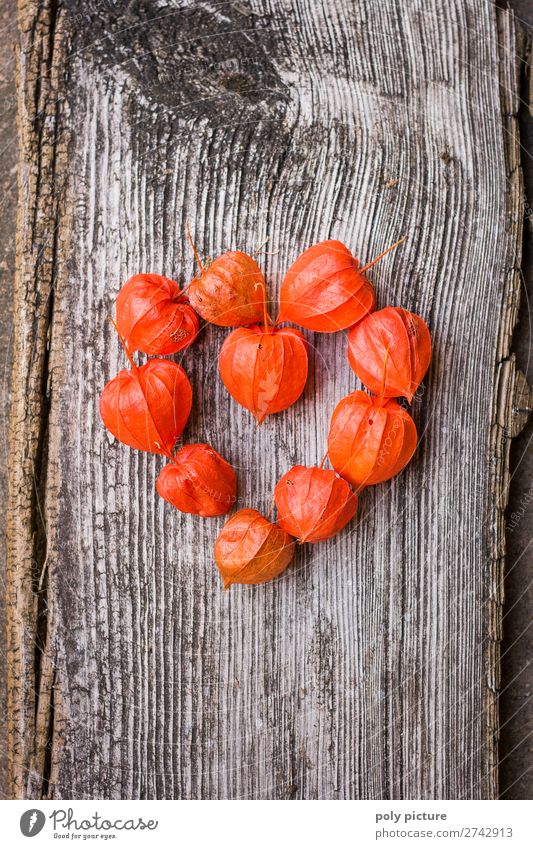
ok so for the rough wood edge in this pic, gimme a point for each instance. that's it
(510, 404)
(42, 152)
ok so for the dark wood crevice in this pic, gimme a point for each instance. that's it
(40, 69)
(515, 705)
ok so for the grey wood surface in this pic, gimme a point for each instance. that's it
(370, 668)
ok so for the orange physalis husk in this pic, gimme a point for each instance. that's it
(252, 550)
(147, 407)
(198, 480)
(154, 316)
(264, 368)
(226, 292)
(370, 441)
(326, 290)
(313, 504)
(406, 337)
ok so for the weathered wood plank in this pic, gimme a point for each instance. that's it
(370, 669)
(42, 173)
(8, 190)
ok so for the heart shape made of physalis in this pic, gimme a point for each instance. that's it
(264, 367)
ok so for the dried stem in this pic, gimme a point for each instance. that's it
(272, 505)
(261, 246)
(260, 250)
(195, 252)
(266, 318)
(377, 259)
(131, 361)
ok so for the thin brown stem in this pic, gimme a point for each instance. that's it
(167, 454)
(261, 246)
(266, 318)
(325, 457)
(260, 250)
(131, 361)
(377, 259)
(195, 252)
(272, 505)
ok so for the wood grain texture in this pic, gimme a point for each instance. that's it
(370, 668)
(8, 190)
